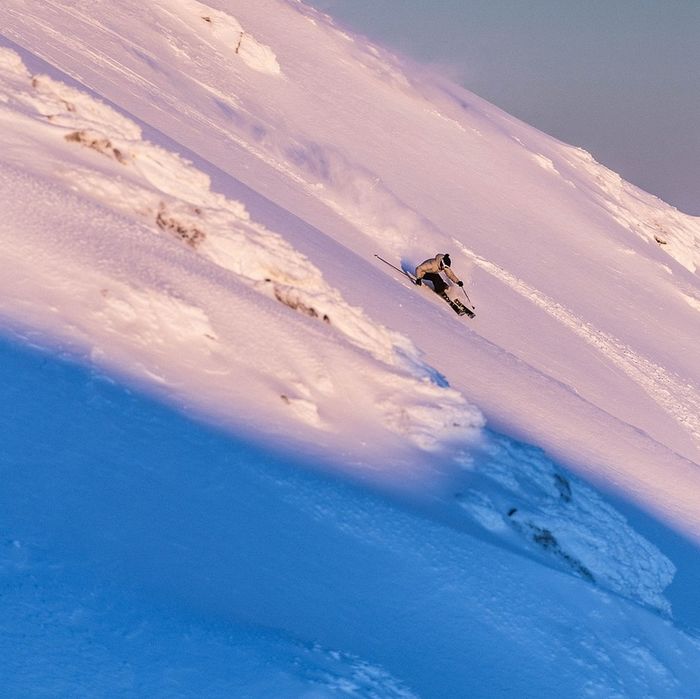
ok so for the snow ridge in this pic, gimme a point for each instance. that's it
(646, 216)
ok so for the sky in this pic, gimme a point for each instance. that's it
(616, 77)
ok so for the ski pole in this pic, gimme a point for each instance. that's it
(468, 299)
(398, 269)
(386, 262)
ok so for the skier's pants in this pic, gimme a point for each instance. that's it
(436, 280)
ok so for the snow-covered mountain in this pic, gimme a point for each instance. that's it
(246, 458)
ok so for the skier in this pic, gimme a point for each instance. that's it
(430, 271)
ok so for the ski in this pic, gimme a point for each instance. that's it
(458, 307)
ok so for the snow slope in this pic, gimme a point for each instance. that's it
(194, 211)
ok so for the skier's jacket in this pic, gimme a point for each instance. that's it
(435, 265)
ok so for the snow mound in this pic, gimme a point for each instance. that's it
(155, 318)
(223, 33)
(12, 69)
(57, 102)
(519, 494)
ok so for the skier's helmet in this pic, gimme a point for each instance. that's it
(446, 260)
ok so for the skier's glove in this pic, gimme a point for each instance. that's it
(419, 282)
(460, 283)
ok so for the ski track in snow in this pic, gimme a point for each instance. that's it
(679, 399)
